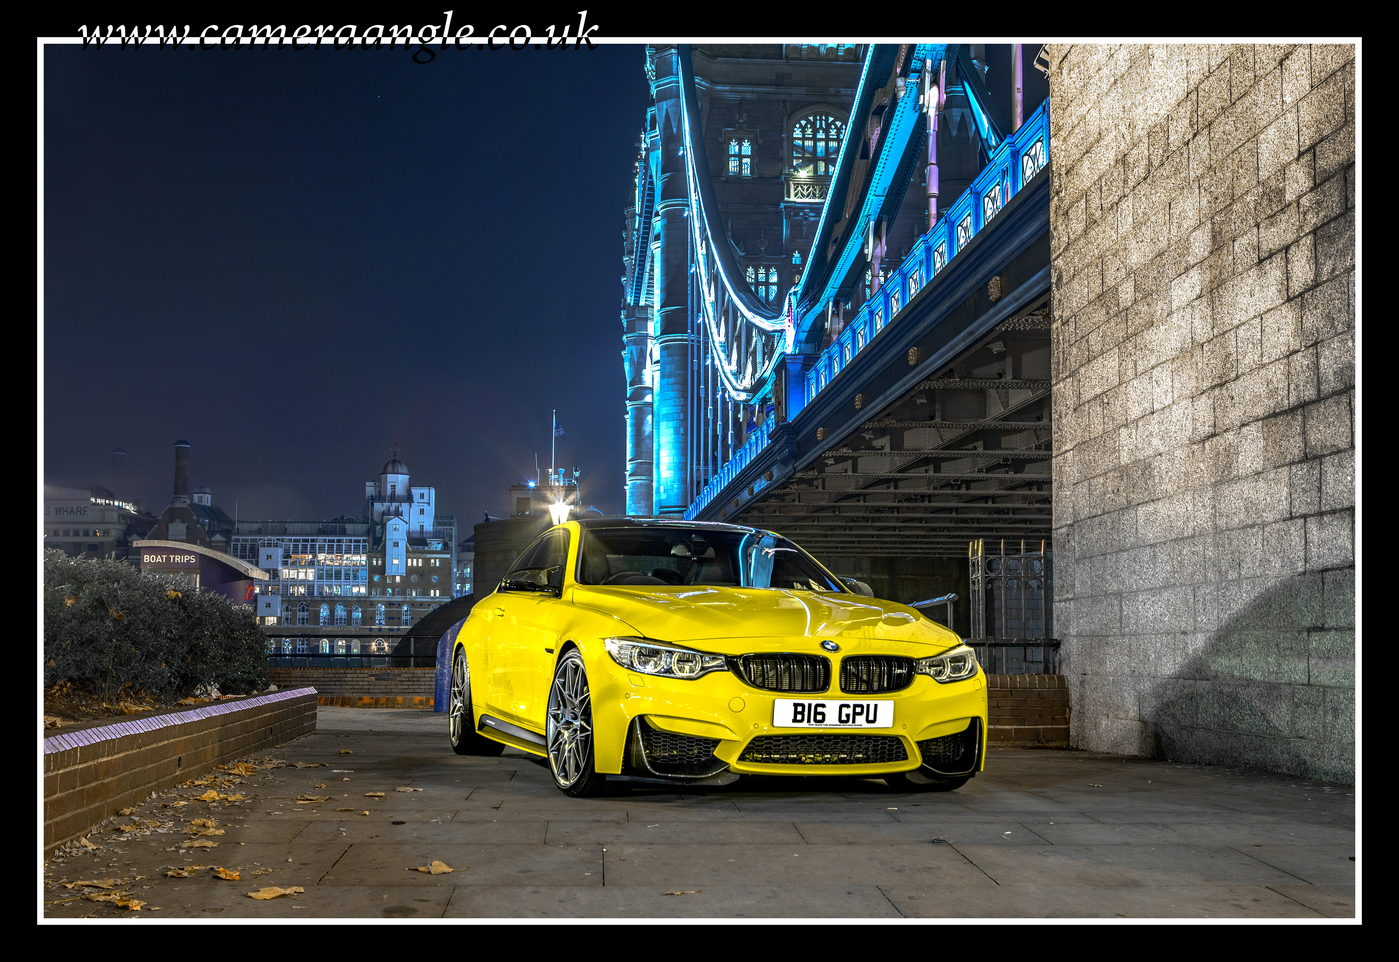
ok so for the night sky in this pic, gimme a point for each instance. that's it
(295, 259)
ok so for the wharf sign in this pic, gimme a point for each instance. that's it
(165, 558)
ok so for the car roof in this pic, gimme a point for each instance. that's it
(586, 523)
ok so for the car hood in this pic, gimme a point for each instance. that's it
(719, 618)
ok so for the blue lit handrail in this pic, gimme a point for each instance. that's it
(1013, 164)
(757, 440)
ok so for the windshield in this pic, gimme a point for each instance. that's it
(680, 556)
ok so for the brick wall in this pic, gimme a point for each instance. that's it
(1028, 710)
(1203, 270)
(363, 687)
(93, 771)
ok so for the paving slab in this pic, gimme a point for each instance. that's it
(1100, 865)
(1042, 834)
(689, 865)
(1207, 901)
(712, 902)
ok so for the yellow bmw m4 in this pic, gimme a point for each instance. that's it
(691, 652)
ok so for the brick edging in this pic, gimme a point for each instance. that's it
(1027, 681)
(1028, 710)
(92, 773)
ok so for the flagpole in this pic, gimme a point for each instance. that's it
(553, 438)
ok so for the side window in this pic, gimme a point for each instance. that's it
(542, 562)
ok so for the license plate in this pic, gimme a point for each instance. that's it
(790, 713)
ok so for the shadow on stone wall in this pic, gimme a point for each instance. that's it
(1273, 688)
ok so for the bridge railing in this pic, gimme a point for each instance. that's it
(1013, 164)
(757, 440)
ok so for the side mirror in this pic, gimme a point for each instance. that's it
(859, 587)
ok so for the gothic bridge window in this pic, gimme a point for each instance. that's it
(763, 280)
(816, 143)
(740, 157)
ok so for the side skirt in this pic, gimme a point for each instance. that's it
(512, 735)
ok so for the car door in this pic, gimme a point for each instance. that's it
(521, 634)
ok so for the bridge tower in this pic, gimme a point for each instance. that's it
(756, 102)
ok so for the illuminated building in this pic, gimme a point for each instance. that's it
(341, 582)
(91, 521)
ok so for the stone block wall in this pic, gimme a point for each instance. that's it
(1203, 262)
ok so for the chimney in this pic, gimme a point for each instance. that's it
(118, 472)
(181, 473)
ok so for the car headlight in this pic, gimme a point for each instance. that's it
(651, 658)
(955, 665)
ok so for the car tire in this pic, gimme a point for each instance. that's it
(464, 740)
(920, 780)
(568, 730)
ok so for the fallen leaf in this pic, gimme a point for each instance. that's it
(206, 831)
(101, 883)
(224, 873)
(1091, 785)
(318, 786)
(204, 823)
(310, 799)
(272, 891)
(690, 892)
(127, 902)
(436, 868)
(209, 796)
(373, 794)
(199, 843)
(344, 809)
(262, 871)
(89, 844)
(346, 751)
(408, 789)
(243, 768)
(179, 873)
(364, 813)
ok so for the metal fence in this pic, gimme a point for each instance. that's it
(1012, 607)
(322, 660)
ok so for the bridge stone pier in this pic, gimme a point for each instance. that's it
(1202, 229)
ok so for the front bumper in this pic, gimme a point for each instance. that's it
(693, 729)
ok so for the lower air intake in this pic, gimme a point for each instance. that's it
(824, 750)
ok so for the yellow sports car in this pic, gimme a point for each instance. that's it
(683, 651)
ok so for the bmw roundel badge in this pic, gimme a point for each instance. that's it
(830, 646)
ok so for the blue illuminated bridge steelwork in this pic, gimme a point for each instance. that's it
(836, 308)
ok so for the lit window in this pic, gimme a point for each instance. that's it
(816, 144)
(741, 158)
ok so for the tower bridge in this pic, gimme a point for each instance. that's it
(894, 399)
(876, 303)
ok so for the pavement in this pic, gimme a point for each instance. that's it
(1041, 834)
